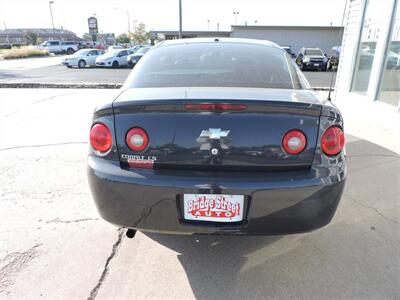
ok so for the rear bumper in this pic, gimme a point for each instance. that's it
(278, 202)
(315, 65)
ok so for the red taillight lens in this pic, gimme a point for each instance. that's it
(100, 138)
(137, 139)
(294, 142)
(332, 141)
(215, 106)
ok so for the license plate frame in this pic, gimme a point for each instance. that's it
(226, 209)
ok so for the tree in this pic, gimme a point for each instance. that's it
(140, 35)
(31, 38)
(87, 36)
(122, 39)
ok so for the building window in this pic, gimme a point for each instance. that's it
(366, 49)
(390, 84)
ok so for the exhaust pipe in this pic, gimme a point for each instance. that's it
(130, 233)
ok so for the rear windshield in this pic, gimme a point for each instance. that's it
(313, 52)
(215, 65)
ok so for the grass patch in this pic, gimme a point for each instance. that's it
(23, 52)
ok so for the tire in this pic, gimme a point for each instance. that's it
(81, 64)
(115, 64)
(69, 67)
(302, 67)
(70, 51)
(130, 64)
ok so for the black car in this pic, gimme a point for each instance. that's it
(289, 50)
(134, 58)
(311, 59)
(333, 57)
(205, 138)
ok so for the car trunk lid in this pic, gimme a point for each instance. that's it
(217, 136)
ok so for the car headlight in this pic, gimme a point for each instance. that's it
(306, 59)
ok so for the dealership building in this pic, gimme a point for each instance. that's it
(369, 69)
(324, 37)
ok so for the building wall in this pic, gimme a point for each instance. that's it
(297, 37)
(353, 19)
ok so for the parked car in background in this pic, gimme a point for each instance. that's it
(55, 46)
(114, 47)
(88, 44)
(196, 143)
(136, 48)
(114, 58)
(289, 50)
(333, 57)
(311, 59)
(134, 58)
(82, 58)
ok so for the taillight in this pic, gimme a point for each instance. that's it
(294, 142)
(215, 106)
(137, 139)
(332, 141)
(100, 138)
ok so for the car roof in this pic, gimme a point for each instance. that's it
(219, 40)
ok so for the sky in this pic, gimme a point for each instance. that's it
(163, 14)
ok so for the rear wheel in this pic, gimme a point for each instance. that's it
(81, 64)
(115, 64)
(70, 51)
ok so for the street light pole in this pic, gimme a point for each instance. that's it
(235, 14)
(52, 20)
(180, 19)
(129, 22)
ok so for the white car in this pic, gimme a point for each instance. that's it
(113, 58)
(82, 58)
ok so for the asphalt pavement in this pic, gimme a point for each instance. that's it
(61, 74)
(53, 245)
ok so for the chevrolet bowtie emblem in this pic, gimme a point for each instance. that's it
(211, 136)
(214, 133)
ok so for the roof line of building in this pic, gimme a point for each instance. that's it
(285, 27)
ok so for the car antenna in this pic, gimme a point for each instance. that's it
(341, 31)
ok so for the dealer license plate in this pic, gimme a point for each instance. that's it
(213, 208)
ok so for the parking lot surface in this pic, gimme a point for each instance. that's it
(57, 73)
(53, 245)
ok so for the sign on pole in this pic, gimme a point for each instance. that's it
(93, 28)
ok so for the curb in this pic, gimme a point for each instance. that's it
(60, 85)
(33, 85)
